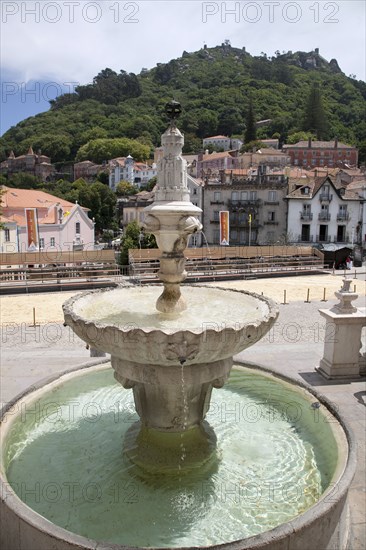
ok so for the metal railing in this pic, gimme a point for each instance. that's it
(325, 197)
(306, 216)
(325, 217)
(342, 216)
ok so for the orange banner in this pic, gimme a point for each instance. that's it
(32, 228)
(224, 227)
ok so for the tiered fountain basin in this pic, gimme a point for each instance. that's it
(170, 360)
(285, 463)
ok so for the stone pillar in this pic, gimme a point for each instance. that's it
(344, 322)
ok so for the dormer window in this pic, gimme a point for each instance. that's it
(77, 228)
(305, 190)
(342, 191)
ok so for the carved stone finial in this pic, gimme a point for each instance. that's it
(173, 110)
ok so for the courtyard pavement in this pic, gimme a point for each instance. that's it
(293, 347)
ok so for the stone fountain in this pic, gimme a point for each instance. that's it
(172, 346)
(172, 371)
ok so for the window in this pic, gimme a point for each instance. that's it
(305, 190)
(244, 195)
(217, 195)
(234, 196)
(233, 234)
(271, 216)
(272, 196)
(194, 192)
(306, 208)
(270, 236)
(216, 215)
(216, 236)
(193, 240)
(52, 241)
(7, 235)
(41, 243)
(253, 195)
(77, 228)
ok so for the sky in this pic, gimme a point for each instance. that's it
(49, 47)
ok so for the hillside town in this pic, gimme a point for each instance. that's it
(307, 192)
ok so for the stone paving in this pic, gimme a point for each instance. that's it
(293, 347)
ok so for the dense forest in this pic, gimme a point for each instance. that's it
(216, 87)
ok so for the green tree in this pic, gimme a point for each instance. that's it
(315, 119)
(250, 127)
(151, 183)
(125, 188)
(23, 180)
(135, 237)
(99, 150)
(299, 136)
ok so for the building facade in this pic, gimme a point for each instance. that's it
(126, 169)
(222, 142)
(37, 165)
(61, 225)
(322, 212)
(257, 209)
(310, 154)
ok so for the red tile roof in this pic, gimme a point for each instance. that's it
(30, 198)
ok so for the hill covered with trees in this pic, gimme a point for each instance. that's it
(215, 87)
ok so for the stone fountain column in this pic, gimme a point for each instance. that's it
(344, 322)
(172, 217)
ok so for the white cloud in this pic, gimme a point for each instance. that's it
(76, 51)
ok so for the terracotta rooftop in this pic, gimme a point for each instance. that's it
(214, 156)
(216, 137)
(31, 198)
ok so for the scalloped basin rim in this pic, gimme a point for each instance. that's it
(269, 317)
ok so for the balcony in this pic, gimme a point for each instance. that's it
(271, 222)
(217, 202)
(306, 216)
(324, 217)
(215, 221)
(342, 217)
(240, 224)
(305, 239)
(273, 203)
(325, 197)
(323, 239)
(235, 204)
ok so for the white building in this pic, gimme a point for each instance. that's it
(218, 142)
(323, 212)
(126, 169)
(223, 142)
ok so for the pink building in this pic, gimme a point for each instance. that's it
(62, 225)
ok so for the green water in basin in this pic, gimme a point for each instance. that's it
(276, 456)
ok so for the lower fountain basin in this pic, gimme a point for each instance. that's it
(280, 480)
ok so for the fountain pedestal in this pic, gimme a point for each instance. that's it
(344, 322)
(171, 398)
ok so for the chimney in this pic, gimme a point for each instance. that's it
(317, 51)
(309, 143)
(336, 143)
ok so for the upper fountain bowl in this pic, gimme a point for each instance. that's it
(124, 322)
